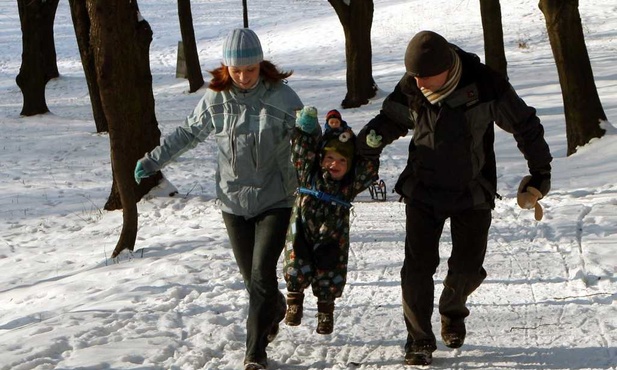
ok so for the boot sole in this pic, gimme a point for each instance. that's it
(292, 323)
(454, 344)
(254, 366)
(419, 359)
(324, 332)
(453, 340)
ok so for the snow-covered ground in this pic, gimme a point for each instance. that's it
(548, 301)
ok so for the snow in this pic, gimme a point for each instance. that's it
(179, 301)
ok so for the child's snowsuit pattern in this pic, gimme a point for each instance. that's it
(317, 245)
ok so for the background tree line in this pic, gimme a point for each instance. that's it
(116, 67)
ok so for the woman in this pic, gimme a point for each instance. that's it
(250, 111)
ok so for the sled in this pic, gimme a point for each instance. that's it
(378, 190)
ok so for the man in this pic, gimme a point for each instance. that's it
(451, 101)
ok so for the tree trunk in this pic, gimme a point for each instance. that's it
(193, 69)
(148, 134)
(37, 21)
(48, 42)
(581, 102)
(81, 24)
(121, 60)
(357, 20)
(493, 36)
(245, 14)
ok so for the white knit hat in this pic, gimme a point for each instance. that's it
(242, 48)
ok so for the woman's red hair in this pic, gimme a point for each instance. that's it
(221, 79)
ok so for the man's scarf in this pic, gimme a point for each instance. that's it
(454, 76)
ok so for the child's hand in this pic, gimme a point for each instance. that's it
(373, 140)
(306, 119)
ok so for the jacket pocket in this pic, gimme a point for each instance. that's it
(405, 183)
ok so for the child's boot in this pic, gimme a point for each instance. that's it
(293, 316)
(325, 317)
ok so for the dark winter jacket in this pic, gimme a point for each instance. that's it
(317, 244)
(451, 163)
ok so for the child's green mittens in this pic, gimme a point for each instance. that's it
(373, 140)
(306, 119)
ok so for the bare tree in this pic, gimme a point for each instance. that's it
(245, 14)
(493, 36)
(48, 44)
(581, 102)
(38, 59)
(121, 62)
(357, 19)
(193, 69)
(81, 24)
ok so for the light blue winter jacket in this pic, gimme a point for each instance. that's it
(252, 130)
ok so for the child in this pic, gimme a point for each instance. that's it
(334, 121)
(317, 245)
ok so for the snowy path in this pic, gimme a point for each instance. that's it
(528, 314)
(521, 303)
(183, 306)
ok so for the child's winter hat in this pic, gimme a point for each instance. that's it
(242, 48)
(333, 114)
(342, 142)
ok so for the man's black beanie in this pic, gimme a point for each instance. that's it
(428, 54)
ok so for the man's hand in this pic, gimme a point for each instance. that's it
(528, 196)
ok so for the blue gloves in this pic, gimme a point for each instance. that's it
(144, 168)
(373, 140)
(306, 119)
(140, 173)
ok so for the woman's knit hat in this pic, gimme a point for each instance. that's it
(342, 142)
(242, 48)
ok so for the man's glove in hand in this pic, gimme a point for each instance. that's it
(528, 196)
(373, 140)
(540, 181)
(306, 119)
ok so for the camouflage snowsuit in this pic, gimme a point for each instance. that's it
(317, 245)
